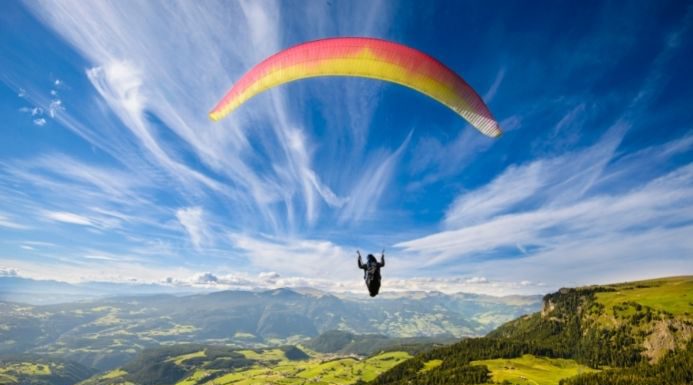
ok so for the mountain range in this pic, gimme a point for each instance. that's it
(106, 332)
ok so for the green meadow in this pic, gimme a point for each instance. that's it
(672, 295)
(529, 369)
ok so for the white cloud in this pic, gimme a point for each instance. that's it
(66, 217)
(663, 202)
(42, 105)
(120, 84)
(55, 106)
(39, 243)
(205, 279)
(552, 181)
(9, 223)
(434, 159)
(62, 172)
(459, 284)
(512, 187)
(100, 257)
(210, 280)
(477, 280)
(311, 258)
(368, 189)
(101, 193)
(194, 222)
(391, 285)
(63, 266)
(488, 96)
(107, 197)
(270, 277)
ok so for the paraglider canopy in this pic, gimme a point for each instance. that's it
(368, 58)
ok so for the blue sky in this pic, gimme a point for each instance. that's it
(111, 170)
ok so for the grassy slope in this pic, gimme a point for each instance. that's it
(430, 365)
(114, 374)
(29, 368)
(597, 322)
(184, 357)
(529, 369)
(27, 372)
(657, 314)
(673, 295)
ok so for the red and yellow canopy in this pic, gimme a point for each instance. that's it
(368, 58)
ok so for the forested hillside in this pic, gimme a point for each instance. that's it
(341, 342)
(676, 367)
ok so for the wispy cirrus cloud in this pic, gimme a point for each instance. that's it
(564, 178)
(491, 92)
(7, 222)
(193, 221)
(57, 172)
(120, 83)
(307, 257)
(370, 187)
(133, 72)
(65, 217)
(565, 213)
(103, 194)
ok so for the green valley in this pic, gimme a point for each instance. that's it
(220, 366)
(637, 333)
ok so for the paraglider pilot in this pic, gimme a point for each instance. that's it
(371, 271)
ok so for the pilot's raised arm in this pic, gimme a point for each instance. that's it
(361, 265)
